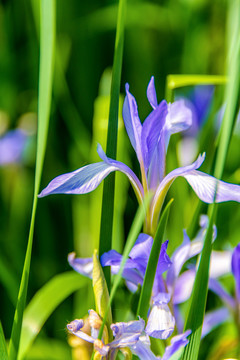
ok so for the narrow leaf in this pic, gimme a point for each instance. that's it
(47, 45)
(145, 295)
(3, 345)
(100, 291)
(105, 241)
(44, 302)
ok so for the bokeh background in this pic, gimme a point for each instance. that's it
(161, 38)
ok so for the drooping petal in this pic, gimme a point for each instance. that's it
(130, 273)
(161, 322)
(75, 328)
(176, 343)
(213, 319)
(121, 328)
(151, 132)
(205, 186)
(236, 269)
(83, 266)
(151, 93)
(163, 187)
(87, 178)
(142, 349)
(132, 123)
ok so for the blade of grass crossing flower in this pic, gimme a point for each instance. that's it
(47, 45)
(198, 300)
(199, 296)
(132, 236)
(3, 345)
(145, 295)
(105, 240)
(44, 302)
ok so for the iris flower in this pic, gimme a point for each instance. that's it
(128, 337)
(150, 141)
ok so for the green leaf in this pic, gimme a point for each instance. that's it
(145, 296)
(198, 299)
(44, 302)
(101, 291)
(3, 345)
(132, 236)
(47, 46)
(105, 241)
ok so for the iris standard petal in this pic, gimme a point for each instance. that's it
(179, 118)
(236, 269)
(132, 122)
(83, 266)
(176, 343)
(151, 93)
(161, 322)
(213, 319)
(151, 132)
(183, 286)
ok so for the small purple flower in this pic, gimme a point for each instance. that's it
(129, 335)
(12, 146)
(150, 141)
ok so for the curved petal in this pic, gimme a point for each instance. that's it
(205, 186)
(87, 178)
(179, 118)
(183, 287)
(132, 122)
(161, 322)
(142, 349)
(213, 319)
(176, 343)
(218, 289)
(151, 132)
(166, 183)
(151, 93)
(236, 269)
(83, 266)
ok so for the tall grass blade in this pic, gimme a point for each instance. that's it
(3, 345)
(198, 299)
(105, 241)
(47, 45)
(145, 295)
(44, 302)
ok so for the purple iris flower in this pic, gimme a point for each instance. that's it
(12, 146)
(150, 141)
(128, 336)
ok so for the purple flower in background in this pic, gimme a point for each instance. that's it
(129, 335)
(12, 146)
(150, 141)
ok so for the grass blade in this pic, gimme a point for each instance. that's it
(44, 302)
(145, 295)
(3, 345)
(105, 241)
(198, 299)
(47, 45)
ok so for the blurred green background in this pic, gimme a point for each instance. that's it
(161, 38)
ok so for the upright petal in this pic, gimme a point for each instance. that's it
(151, 132)
(132, 122)
(236, 269)
(179, 118)
(151, 93)
(183, 287)
(161, 322)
